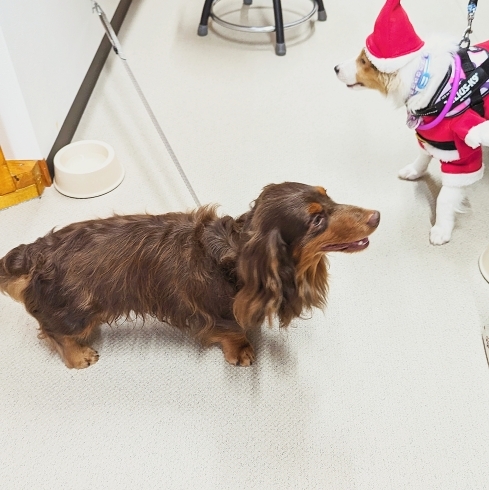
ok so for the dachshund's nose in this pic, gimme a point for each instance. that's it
(374, 219)
(337, 69)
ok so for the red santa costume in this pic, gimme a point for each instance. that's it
(391, 46)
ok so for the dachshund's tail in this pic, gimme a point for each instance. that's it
(14, 272)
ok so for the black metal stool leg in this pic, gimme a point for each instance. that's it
(206, 12)
(321, 11)
(279, 28)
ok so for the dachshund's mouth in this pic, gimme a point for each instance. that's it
(355, 85)
(346, 247)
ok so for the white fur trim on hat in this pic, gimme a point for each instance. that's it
(391, 65)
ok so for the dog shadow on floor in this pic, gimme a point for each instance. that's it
(428, 188)
(152, 336)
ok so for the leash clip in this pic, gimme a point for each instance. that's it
(471, 8)
(465, 42)
(109, 31)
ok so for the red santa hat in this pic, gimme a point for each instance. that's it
(394, 42)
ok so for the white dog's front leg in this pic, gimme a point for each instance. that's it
(478, 135)
(416, 169)
(449, 202)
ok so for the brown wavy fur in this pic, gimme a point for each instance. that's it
(215, 276)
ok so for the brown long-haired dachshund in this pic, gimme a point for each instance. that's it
(215, 276)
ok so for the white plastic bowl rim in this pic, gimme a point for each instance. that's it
(101, 178)
(484, 264)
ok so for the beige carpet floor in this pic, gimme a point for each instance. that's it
(388, 388)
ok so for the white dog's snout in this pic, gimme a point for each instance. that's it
(347, 72)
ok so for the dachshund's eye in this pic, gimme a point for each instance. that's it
(363, 61)
(318, 220)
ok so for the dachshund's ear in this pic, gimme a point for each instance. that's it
(266, 275)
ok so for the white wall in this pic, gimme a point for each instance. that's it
(16, 129)
(46, 47)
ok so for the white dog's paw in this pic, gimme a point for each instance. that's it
(440, 235)
(478, 135)
(411, 172)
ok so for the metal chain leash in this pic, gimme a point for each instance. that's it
(118, 51)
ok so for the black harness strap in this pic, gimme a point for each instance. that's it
(467, 65)
(478, 104)
(441, 145)
(466, 88)
(476, 101)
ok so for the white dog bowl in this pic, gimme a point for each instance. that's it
(86, 169)
(484, 264)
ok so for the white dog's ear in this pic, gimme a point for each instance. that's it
(478, 135)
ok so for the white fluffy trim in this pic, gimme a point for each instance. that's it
(443, 155)
(478, 135)
(461, 180)
(391, 65)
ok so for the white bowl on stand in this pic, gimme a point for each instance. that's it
(87, 168)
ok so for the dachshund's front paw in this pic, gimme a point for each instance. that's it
(82, 358)
(242, 355)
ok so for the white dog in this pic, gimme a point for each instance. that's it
(443, 88)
